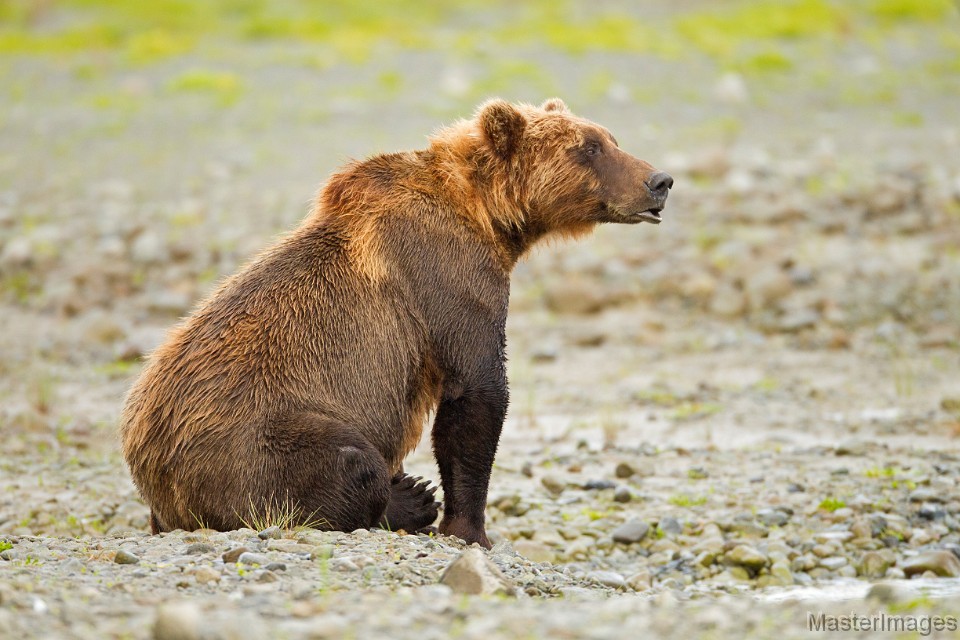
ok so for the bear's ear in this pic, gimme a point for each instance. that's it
(555, 104)
(502, 125)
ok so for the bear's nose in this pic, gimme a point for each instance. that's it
(659, 183)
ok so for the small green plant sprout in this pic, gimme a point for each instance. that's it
(686, 500)
(831, 504)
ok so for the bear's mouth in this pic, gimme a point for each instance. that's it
(651, 215)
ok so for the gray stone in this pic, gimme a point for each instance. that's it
(631, 532)
(474, 573)
(608, 578)
(772, 517)
(248, 557)
(943, 563)
(622, 494)
(671, 526)
(199, 548)
(125, 557)
(270, 533)
(276, 566)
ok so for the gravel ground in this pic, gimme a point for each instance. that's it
(719, 426)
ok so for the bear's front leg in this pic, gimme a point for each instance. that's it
(465, 436)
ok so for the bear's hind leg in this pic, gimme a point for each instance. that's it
(322, 471)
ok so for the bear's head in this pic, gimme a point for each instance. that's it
(561, 173)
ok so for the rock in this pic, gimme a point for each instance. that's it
(772, 517)
(622, 495)
(943, 563)
(72, 566)
(640, 581)
(833, 562)
(204, 575)
(234, 554)
(670, 526)
(873, 564)
(798, 319)
(178, 621)
(248, 557)
(474, 573)
(267, 576)
(766, 286)
(925, 494)
(728, 301)
(599, 485)
(608, 578)
(931, 511)
(199, 548)
(553, 484)
(887, 593)
(125, 557)
(623, 470)
(861, 529)
(747, 557)
(270, 533)
(781, 571)
(276, 566)
(535, 551)
(631, 532)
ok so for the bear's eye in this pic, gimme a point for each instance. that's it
(592, 148)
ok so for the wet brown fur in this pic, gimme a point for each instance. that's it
(306, 378)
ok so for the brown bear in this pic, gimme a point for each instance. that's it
(305, 379)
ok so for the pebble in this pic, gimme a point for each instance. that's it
(233, 555)
(772, 517)
(199, 548)
(178, 621)
(943, 563)
(249, 557)
(204, 575)
(746, 556)
(608, 578)
(623, 470)
(553, 484)
(670, 526)
(873, 564)
(833, 563)
(631, 532)
(473, 573)
(925, 494)
(125, 557)
(269, 533)
(535, 551)
(622, 495)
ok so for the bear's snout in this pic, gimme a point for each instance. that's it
(659, 184)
